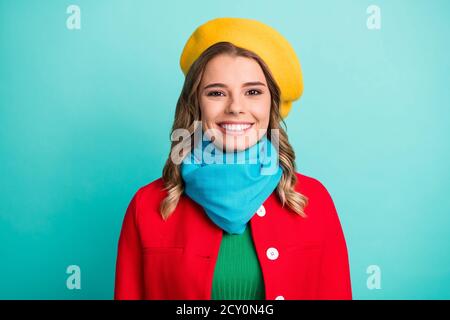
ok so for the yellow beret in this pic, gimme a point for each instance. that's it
(255, 36)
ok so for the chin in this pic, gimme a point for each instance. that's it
(241, 143)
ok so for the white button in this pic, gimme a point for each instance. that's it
(272, 253)
(261, 211)
(279, 298)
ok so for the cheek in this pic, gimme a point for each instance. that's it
(206, 118)
(261, 112)
(209, 111)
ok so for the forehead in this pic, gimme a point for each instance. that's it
(225, 68)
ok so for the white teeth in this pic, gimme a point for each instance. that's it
(235, 127)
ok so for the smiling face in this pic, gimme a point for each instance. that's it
(234, 102)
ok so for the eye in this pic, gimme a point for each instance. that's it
(214, 93)
(254, 92)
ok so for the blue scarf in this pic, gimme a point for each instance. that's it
(231, 186)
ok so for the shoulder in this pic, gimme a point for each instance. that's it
(310, 186)
(154, 187)
(151, 193)
(147, 199)
(141, 201)
(320, 203)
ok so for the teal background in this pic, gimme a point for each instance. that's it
(85, 117)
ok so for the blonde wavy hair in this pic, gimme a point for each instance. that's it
(188, 112)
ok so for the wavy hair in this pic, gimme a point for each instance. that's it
(187, 113)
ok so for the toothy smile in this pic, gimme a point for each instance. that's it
(235, 127)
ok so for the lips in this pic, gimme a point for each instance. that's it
(235, 128)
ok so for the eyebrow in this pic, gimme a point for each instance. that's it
(222, 85)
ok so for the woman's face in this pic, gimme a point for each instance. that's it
(234, 102)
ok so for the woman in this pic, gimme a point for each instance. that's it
(230, 218)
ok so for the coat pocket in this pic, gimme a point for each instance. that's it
(301, 269)
(164, 272)
(163, 250)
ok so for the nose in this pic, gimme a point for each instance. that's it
(234, 106)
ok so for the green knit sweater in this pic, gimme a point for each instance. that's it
(237, 273)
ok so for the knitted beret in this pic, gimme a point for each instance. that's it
(257, 37)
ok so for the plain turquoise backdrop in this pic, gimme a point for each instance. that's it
(85, 117)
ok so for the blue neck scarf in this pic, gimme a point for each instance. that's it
(231, 186)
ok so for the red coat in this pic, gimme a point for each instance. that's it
(300, 258)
